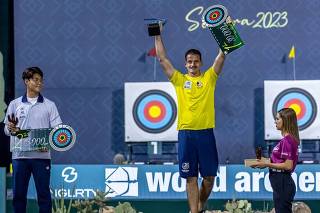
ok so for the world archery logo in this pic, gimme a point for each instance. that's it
(154, 111)
(301, 102)
(121, 181)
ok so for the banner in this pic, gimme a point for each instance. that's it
(162, 182)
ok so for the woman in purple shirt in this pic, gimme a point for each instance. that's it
(283, 161)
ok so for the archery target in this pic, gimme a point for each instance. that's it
(62, 138)
(301, 102)
(154, 111)
(150, 112)
(214, 16)
(302, 97)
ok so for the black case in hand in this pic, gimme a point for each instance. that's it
(154, 29)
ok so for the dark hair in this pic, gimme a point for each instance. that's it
(30, 71)
(194, 52)
(290, 123)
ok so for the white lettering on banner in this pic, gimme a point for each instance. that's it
(318, 182)
(244, 184)
(220, 183)
(263, 20)
(158, 182)
(256, 176)
(306, 182)
(175, 183)
(73, 193)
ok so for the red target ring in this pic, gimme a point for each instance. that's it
(214, 15)
(154, 111)
(62, 138)
(298, 106)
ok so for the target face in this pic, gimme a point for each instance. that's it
(214, 15)
(301, 102)
(62, 138)
(154, 111)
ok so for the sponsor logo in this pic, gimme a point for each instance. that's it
(199, 84)
(187, 85)
(69, 174)
(121, 181)
(185, 167)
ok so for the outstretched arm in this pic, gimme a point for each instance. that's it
(287, 165)
(162, 56)
(218, 62)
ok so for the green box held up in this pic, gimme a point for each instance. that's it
(221, 27)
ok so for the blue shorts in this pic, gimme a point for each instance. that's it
(197, 153)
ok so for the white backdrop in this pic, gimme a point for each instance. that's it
(299, 94)
(137, 93)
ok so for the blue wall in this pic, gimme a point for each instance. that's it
(88, 49)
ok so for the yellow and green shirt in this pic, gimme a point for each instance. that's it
(195, 99)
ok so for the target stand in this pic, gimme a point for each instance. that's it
(150, 121)
(61, 138)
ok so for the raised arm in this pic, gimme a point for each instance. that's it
(162, 56)
(218, 62)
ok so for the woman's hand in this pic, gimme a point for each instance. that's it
(259, 164)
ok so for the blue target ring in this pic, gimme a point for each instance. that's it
(154, 111)
(299, 100)
(59, 135)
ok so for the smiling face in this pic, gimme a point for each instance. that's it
(34, 84)
(193, 64)
(279, 122)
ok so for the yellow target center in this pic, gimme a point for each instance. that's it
(154, 111)
(296, 108)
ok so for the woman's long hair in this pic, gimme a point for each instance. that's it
(290, 124)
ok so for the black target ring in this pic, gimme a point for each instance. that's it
(301, 101)
(154, 111)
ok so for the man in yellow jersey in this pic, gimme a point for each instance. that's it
(196, 120)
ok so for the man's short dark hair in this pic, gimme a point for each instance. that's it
(30, 71)
(194, 52)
